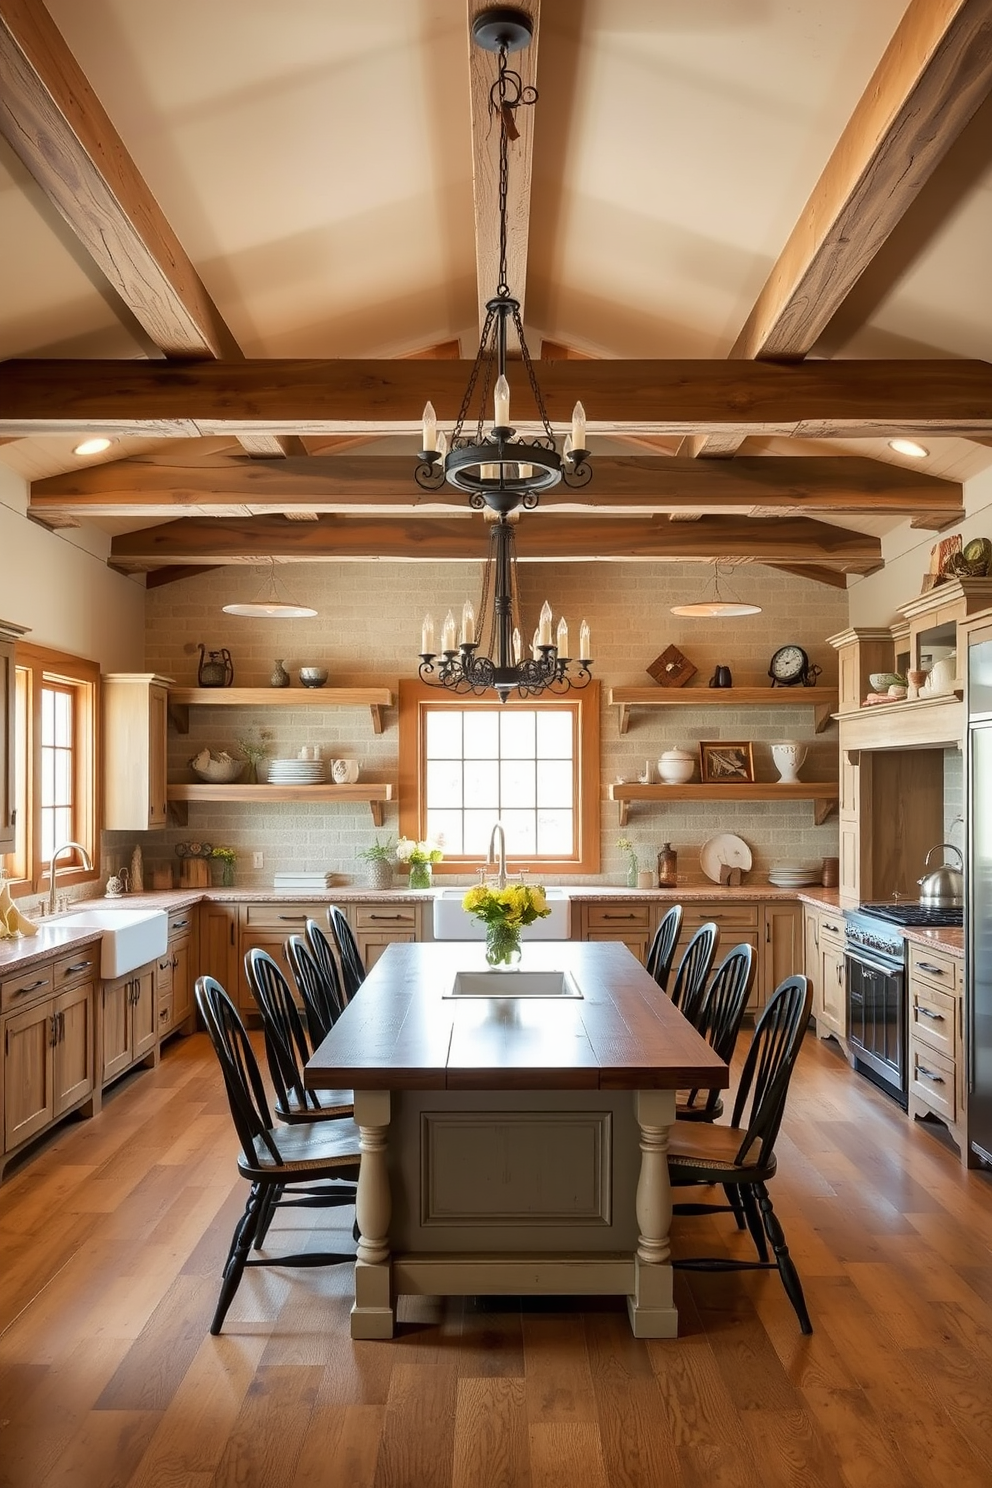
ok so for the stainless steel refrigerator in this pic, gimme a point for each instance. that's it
(978, 914)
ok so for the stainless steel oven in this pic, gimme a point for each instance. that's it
(876, 1004)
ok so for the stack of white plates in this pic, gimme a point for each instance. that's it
(793, 875)
(296, 772)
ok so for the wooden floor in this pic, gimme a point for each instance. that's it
(111, 1242)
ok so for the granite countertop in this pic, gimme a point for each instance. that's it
(949, 940)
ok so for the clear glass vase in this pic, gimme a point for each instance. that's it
(502, 946)
(421, 875)
(632, 870)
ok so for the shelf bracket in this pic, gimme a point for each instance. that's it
(821, 716)
(179, 717)
(823, 809)
(623, 719)
(624, 810)
(178, 813)
(376, 808)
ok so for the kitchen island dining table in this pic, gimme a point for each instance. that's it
(513, 1144)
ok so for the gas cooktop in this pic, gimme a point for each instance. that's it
(915, 914)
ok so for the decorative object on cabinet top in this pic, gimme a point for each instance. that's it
(181, 699)
(823, 700)
(671, 668)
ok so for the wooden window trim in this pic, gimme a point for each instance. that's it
(84, 676)
(416, 698)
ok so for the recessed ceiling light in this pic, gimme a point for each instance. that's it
(909, 447)
(92, 446)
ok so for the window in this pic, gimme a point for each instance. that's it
(532, 764)
(55, 765)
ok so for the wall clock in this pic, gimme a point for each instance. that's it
(789, 667)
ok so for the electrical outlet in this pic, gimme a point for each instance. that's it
(257, 860)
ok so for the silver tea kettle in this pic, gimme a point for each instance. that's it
(943, 888)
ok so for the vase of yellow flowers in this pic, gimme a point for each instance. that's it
(421, 856)
(227, 857)
(626, 846)
(505, 912)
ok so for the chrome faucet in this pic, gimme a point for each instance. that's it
(87, 864)
(501, 874)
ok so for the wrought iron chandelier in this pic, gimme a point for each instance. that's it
(500, 468)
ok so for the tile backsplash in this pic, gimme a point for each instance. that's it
(367, 633)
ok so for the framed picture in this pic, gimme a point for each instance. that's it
(724, 762)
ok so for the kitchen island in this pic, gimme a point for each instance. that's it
(513, 1144)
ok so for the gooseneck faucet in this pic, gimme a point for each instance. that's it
(501, 874)
(66, 846)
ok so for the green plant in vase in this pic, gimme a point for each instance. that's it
(506, 912)
(421, 856)
(379, 857)
(633, 866)
(255, 746)
(228, 857)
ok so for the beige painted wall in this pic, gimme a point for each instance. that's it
(59, 585)
(368, 632)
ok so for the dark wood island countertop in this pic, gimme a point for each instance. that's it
(401, 1031)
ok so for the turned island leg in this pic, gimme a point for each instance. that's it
(373, 1316)
(651, 1307)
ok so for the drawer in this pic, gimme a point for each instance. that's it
(726, 915)
(385, 916)
(933, 1018)
(936, 967)
(180, 923)
(618, 916)
(289, 916)
(832, 928)
(933, 1079)
(17, 991)
(82, 967)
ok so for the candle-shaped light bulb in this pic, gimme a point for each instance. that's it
(430, 428)
(544, 628)
(584, 641)
(518, 647)
(566, 449)
(535, 646)
(442, 443)
(562, 637)
(468, 623)
(448, 633)
(489, 472)
(524, 472)
(501, 396)
(578, 427)
(427, 636)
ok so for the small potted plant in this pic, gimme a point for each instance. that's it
(421, 856)
(505, 912)
(227, 857)
(626, 846)
(379, 858)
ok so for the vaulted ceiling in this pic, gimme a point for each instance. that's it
(745, 232)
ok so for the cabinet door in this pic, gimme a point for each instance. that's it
(273, 941)
(372, 943)
(116, 1028)
(811, 953)
(218, 945)
(29, 1095)
(144, 1012)
(833, 994)
(74, 1049)
(158, 722)
(782, 945)
(8, 794)
(182, 985)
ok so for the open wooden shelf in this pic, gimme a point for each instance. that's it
(823, 700)
(824, 794)
(181, 699)
(179, 796)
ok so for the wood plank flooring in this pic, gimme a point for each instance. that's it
(111, 1242)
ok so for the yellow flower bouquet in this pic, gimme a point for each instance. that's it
(505, 912)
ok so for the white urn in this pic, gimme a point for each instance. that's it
(676, 767)
(787, 756)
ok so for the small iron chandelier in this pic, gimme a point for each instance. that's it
(500, 468)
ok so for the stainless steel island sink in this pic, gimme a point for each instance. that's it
(493, 983)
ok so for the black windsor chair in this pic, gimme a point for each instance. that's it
(324, 955)
(321, 1007)
(287, 1048)
(743, 1158)
(719, 1022)
(352, 967)
(694, 969)
(301, 1166)
(662, 952)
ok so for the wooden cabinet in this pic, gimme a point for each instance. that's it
(859, 653)
(48, 1047)
(173, 973)
(128, 1023)
(135, 715)
(824, 944)
(628, 921)
(268, 927)
(936, 1043)
(781, 944)
(217, 944)
(378, 925)
(8, 785)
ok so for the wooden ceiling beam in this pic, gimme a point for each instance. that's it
(155, 486)
(482, 67)
(934, 75)
(809, 399)
(830, 576)
(207, 540)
